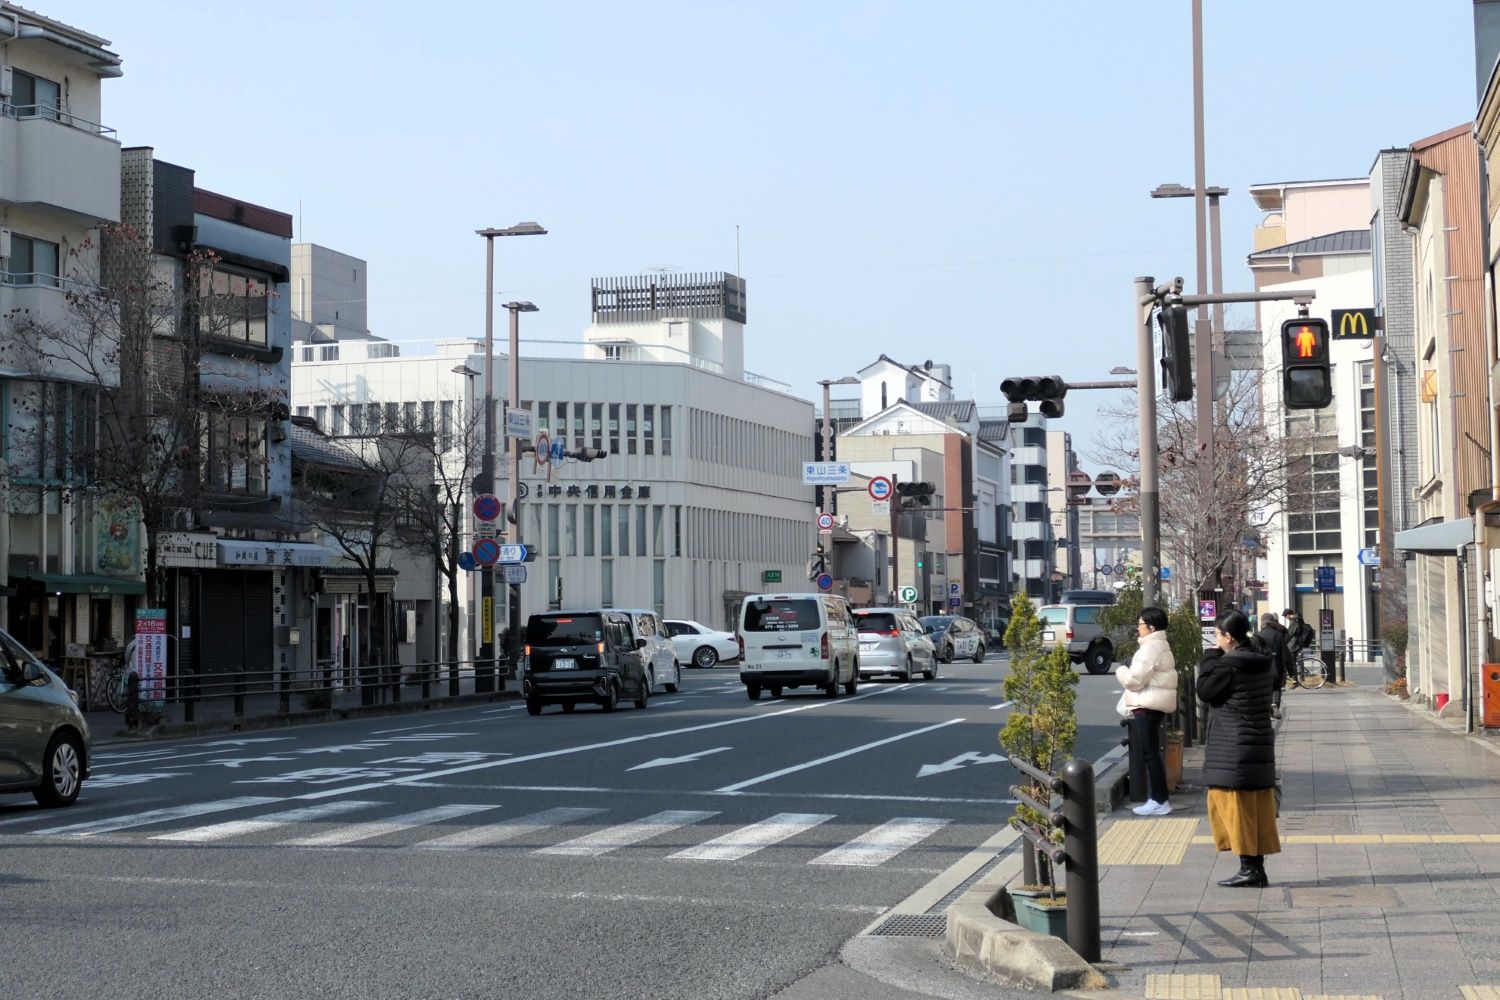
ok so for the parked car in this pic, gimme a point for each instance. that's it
(791, 640)
(45, 745)
(1078, 627)
(700, 646)
(955, 636)
(893, 644)
(660, 655)
(592, 656)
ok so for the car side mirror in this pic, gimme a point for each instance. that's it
(30, 673)
(640, 644)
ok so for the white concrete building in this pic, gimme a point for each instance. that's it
(700, 500)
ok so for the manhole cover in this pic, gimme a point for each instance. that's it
(1373, 896)
(932, 925)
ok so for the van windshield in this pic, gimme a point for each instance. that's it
(782, 615)
(564, 630)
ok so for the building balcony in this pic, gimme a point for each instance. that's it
(59, 166)
(35, 306)
(1033, 455)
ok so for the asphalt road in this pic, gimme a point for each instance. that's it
(704, 847)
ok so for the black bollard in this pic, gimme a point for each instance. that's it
(1081, 844)
(1137, 769)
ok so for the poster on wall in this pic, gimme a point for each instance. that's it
(115, 545)
(151, 655)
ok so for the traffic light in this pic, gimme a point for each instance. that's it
(1176, 353)
(1048, 390)
(588, 454)
(1306, 372)
(816, 563)
(915, 494)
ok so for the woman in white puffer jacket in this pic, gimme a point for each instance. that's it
(1150, 683)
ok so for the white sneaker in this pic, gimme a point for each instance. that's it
(1148, 808)
(1162, 808)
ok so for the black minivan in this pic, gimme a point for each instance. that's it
(574, 656)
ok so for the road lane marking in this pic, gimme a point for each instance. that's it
(157, 816)
(672, 701)
(379, 828)
(407, 729)
(510, 829)
(610, 838)
(881, 844)
(621, 790)
(270, 821)
(746, 840)
(834, 756)
(1003, 704)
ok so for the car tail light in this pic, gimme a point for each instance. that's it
(740, 640)
(823, 646)
(528, 650)
(599, 648)
(891, 632)
(1069, 634)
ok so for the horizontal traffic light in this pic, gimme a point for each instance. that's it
(1048, 390)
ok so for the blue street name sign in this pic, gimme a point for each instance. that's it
(511, 554)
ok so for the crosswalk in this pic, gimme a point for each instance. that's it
(343, 823)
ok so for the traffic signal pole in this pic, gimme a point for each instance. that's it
(1146, 296)
(895, 542)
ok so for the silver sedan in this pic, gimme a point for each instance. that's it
(893, 644)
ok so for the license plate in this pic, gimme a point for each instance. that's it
(1046, 636)
(867, 646)
(565, 663)
(781, 654)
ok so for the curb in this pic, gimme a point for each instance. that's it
(209, 727)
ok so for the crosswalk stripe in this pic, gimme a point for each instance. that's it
(157, 816)
(625, 834)
(244, 827)
(496, 833)
(379, 828)
(747, 840)
(882, 843)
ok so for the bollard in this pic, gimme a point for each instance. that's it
(1137, 768)
(1081, 844)
(132, 700)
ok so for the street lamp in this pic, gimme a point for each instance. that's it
(513, 488)
(828, 428)
(487, 679)
(456, 515)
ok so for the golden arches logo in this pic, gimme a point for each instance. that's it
(1354, 324)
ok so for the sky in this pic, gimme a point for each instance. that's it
(962, 182)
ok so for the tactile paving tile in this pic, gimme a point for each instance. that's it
(1146, 841)
(1481, 992)
(1264, 993)
(1174, 987)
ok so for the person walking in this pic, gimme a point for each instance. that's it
(1239, 755)
(1271, 641)
(1150, 683)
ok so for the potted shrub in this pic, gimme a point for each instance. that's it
(1396, 636)
(1042, 731)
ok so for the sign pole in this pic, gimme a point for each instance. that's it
(895, 542)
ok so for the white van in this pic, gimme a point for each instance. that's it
(789, 640)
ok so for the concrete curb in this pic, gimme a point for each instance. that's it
(206, 727)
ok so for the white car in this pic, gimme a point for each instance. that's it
(700, 645)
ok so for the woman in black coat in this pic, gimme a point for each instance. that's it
(1239, 756)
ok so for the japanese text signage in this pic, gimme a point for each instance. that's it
(1324, 575)
(825, 473)
(589, 491)
(151, 655)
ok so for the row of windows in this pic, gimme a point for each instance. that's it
(726, 440)
(607, 583)
(737, 537)
(642, 428)
(604, 530)
(1313, 497)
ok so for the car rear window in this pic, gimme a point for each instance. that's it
(1054, 616)
(871, 620)
(564, 630)
(782, 615)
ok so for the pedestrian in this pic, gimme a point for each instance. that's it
(1150, 683)
(1299, 634)
(1271, 641)
(1239, 756)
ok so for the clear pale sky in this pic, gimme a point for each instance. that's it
(965, 182)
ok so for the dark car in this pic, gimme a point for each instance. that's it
(955, 636)
(592, 656)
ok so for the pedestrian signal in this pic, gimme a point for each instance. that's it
(1307, 376)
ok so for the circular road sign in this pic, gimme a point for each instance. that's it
(486, 506)
(486, 551)
(908, 595)
(1106, 569)
(825, 582)
(466, 561)
(879, 488)
(1120, 568)
(825, 522)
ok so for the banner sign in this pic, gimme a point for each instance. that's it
(151, 655)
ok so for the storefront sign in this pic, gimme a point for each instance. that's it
(588, 491)
(151, 655)
(270, 554)
(187, 550)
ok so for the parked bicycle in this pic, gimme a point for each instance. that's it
(1311, 672)
(114, 686)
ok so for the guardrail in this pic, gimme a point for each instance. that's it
(1079, 851)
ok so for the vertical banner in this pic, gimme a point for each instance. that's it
(151, 655)
(487, 621)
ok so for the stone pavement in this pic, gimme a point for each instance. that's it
(1388, 884)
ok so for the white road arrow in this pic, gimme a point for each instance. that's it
(962, 760)
(664, 761)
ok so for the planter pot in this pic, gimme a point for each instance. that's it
(1034, 914)
(1172, 759)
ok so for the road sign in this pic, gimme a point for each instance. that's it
(1120, 568)
(1369, 557)
(510, 553)
(1166, 572)
(908, 595)
(486, 551)
(879, 488)
(1354, 324)
(486, 506)
(1208, 611)
(825, 473)
(485, 529)
(953, 588)
(825, 523)
(954, 602)
(514, 573)
(825, 582)
(518, 423)
(1106, 569)
(466, 561)
(1326, 580)
(522, 491)
(878, 507)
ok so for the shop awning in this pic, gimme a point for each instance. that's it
(80, 583)
(1441, 538)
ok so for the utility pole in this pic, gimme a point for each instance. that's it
(895, 543)
(1202, 332)
(1150, 502)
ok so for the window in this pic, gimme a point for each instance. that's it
(234, 452)
(622, 527)
(606, 529)
(648, 429)
(338, 418)
(614, 428)
(320, 417)
(606, 583)
(233, 305)
(640, 529)
(560, 427)
(658, 542)
(588, 531)
(356, 418)
(302, 411)
(578, 425)
(409, 416)
(553, 547)
(32, 261)
(393, 417)
(307, 354)
(427, 416)
(570, 530)
(659, 586)
(596, 424)
(34, 96)
(630, 428)
(372, 418)
(666, 430)
(445, 428)
(676, 529)
(543, 417)
(329, 353)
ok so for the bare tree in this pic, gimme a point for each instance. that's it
(129, 348)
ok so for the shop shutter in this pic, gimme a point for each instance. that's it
(237, 627)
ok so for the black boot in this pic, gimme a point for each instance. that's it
(1252, 874)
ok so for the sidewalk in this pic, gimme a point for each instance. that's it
(1388, 884)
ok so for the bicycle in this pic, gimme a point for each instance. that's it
(1311, 672)
(114, 687)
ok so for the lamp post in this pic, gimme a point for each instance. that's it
(486, 679)
(828, 430)
(456, 515)
(513, 487)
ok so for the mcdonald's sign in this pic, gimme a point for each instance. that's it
(1354, 324)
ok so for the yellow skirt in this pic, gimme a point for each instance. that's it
(1244, 822)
